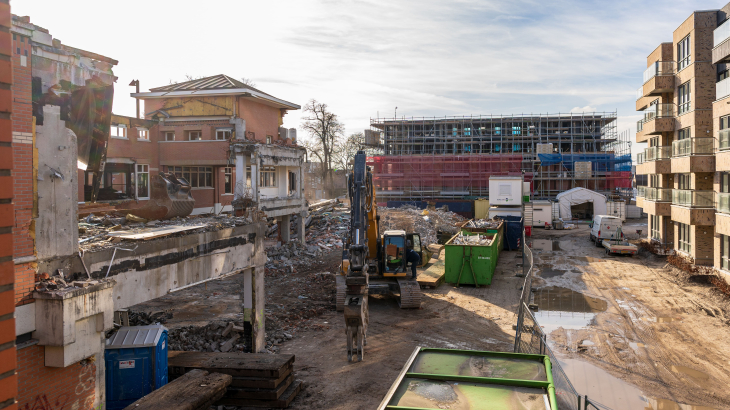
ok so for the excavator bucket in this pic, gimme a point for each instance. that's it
(170, 197)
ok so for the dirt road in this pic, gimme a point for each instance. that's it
(633, 332)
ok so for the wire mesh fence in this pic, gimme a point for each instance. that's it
(531, 339)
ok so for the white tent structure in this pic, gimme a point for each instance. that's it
(577, 196)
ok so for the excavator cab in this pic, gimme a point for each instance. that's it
(393, 263)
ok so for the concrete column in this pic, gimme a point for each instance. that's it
(254, 179)
(240, 175)
(301, 234)
(285, 228)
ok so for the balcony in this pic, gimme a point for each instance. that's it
(723, 202)
(641, 191)
(640, 92)
(658, 194)
(640, 158)
(658, 153)
(721, 47)
(658, 118)
(693, 199)
(722, 89)
(724, 140)
(658, 78)
(693, 146)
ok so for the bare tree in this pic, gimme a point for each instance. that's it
(346, 150)
(247, 81)
(325, 131)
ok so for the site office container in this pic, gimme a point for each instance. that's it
(136, 364)
(505, 191)
(439, 378)
(463, 258)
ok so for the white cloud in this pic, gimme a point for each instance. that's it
(587, 108)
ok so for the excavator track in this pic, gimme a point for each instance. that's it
(410, 294)
(341, 288)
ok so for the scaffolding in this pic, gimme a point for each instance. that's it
(453, 157)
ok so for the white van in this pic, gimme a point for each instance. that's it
(605, 227)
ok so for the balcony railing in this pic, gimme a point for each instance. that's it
(639, 125)
(640, 92)
(658, 194)
(641, 191)
(723, 202)
(641, 158)
(722, 88)
(724, 142)
(721, 33)
(655, 111)
(691, 198)
(658, 153)
(693, 146)
(659, 68)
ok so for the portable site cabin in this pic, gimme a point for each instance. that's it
(581, 203)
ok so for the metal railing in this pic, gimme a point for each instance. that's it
(658, 194)
(641, 158)
(722, 88)
(640, 93)
(655, 111)
(639, 125)
(693, 146)
(641, 191)
(657, 153)
(724, 140)
(721, 33)
(723, 202)
(659, 68)
(693, 199)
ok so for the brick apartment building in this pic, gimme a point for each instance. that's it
(686, 123)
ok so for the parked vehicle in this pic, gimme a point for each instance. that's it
(619, 246)
(605, 227)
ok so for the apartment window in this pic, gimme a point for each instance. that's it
(169, 135)
(143, 133)
(268, 139)
(143, 181)
(197, 177)
(683, 53)
(228, 180)
(195, 135)
(722, 74)
(683, 133)
(685, 243)
(268, 177)
(292, 182)
(654, 180)
(685, 96)
(223, 134)
(684, 181)
(725, 182)
(725, 252)
(119, 131)
(653, 142)
(654, 222)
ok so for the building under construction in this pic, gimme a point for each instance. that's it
(452, 158)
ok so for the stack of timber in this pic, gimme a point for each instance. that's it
(195, 390)
(259, 380)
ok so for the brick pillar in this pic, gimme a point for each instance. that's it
(8, 358)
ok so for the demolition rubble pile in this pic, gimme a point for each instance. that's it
(98, 232)
(483, 223)
(480, 240)
(59, 281)
(428, 223)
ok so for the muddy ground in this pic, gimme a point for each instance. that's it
(631, 332)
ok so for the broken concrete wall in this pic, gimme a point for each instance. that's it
(56, 228)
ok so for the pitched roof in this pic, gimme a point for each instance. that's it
(216, 82)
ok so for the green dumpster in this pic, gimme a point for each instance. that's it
(499, 230)
(470, 380)
(461, 259)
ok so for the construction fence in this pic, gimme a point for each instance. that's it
(531, 339)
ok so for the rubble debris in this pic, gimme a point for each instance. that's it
(480, 240)
(429, 224)
(483, 223)
(170, 197)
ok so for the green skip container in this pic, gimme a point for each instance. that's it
(461, 259)
(472, 380)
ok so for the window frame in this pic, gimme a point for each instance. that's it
(223, 130)
(267, 177)
(143, 134)
(684, 97)
(684, 52)
(187, 173)
(199, 134)
(684, 133)
(685, 237)
(167, 135)
(654, 221)
(118, 127)
(725, 252)
(684, 181)
(228, 180)
(724, 182)
(140, 170)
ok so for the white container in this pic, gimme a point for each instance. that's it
(505, 191)
(542, 211)
(505, 211)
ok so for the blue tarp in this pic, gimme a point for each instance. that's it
(600, 162)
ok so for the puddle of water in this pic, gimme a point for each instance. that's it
(602, 387)
(695, 374)
(587, 259)
(662, 319)
(549, 272)
(566, 308)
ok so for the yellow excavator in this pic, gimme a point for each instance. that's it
(372, 263)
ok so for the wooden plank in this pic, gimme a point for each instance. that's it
(259, 394)
(151, 233)
(196, 390)
(237, 364)
(281, 403)
(259, 383)
(434, 275)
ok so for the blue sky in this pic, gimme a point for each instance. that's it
(364, 58)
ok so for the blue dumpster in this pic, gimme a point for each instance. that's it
(512, 232)
(136, 364)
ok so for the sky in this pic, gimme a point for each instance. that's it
(365, 58)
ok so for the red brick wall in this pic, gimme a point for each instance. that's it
(260, 119)
(193, 152)
(24, 283)
(42, 387)
(8, 383)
